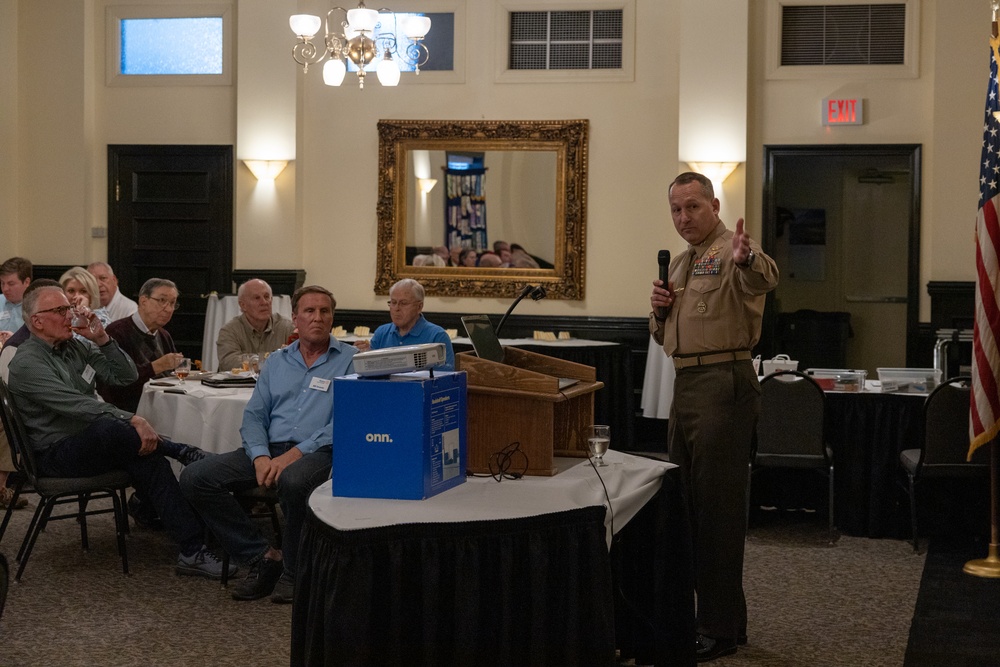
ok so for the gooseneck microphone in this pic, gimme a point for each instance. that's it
(537, 293)
(663, 259)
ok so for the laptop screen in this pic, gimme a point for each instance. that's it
(484, 339)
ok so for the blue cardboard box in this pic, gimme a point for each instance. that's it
(399, 437)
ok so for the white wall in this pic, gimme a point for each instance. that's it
(321, 214)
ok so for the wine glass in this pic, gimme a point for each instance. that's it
(183, 369)
(598, 441)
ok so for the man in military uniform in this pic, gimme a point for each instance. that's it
(708, 318)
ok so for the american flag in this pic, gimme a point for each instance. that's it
(985, 401)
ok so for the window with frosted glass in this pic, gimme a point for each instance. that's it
(171, 46)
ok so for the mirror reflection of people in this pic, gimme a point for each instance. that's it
(521, 259)
(467, 258)
(256, 330)
(490, 260)
(428, 260)
(709, 328)
(409, 326)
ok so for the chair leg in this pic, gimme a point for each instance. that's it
(913, 513)
(122, 491)
(10, 509)
(83, 499)
(31, 527)
(833, 534)
(225, 569)
(121, 527)
(38, 526)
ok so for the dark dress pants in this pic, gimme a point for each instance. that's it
(712, 422)
(111, 444)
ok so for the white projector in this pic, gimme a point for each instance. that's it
(402, 359)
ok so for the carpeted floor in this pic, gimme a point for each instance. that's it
(957, 617)
(810, 604)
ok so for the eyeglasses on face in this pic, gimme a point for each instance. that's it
(165, 303)
(393, 303)
(58, 310)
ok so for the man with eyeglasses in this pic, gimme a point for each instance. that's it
(408, 326)
(144, 339)
(256, 331)
(73, 434)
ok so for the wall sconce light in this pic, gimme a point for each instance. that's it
(426, 184)
(266, 170)
(717, 172)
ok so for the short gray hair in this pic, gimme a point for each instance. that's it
(694, 177)
(153, 284)
(94, 265)
(242, 288)
(29, 306)
(416, 288)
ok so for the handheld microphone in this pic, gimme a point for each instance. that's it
(663, 259)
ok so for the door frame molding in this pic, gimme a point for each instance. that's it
(910, 152)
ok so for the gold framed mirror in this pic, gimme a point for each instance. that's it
(527, 185)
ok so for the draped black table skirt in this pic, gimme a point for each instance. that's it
(532, 591)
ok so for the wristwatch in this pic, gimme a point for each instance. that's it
(751, 257)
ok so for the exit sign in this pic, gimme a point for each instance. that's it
(843, 111)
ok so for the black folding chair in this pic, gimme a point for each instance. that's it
(53, 491)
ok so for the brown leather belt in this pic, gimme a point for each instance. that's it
(710, 358)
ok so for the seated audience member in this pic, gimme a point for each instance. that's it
(82, 291)
(520, 259)
(257, 331)
(490, 260)
(15, 276)
(442, 252)
(74, 434)
(144, 339)
(467, 257)
(287, 442)
(408, 326)
(117, 304)
(6, 354)
(454, 255)
(428, 260)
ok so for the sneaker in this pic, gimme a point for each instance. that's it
(189, 455)
(203, 563)
(7, 498)
(284, 590)
(143, 514)
(260, 580)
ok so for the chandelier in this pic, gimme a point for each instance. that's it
(362, 39)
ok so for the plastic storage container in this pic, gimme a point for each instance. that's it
(913, 380)
(838, 379)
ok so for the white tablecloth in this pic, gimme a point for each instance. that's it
(204, 417)
(631, 480)
(657, 383)
(219, 311)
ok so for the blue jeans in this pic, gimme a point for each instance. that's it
(207, 484)
(111, 444)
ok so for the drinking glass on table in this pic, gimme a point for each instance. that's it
(183, 369)
(598, 441)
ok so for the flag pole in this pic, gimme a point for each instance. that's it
(990, 566)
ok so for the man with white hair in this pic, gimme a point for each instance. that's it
(117, 304)
(73, 434)
(408, 326)
(256, 331)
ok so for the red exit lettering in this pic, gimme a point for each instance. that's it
(842, 112)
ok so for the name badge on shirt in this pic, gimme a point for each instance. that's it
(88, 373)
(319, 384)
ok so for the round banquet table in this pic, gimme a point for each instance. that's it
(203, 416)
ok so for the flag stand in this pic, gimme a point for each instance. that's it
(990, 566)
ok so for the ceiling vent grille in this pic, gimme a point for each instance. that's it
(843, 34)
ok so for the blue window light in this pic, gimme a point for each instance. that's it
(171, 46)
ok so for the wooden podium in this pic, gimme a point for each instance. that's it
(520, 401)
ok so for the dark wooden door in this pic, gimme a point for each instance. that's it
(170, 215)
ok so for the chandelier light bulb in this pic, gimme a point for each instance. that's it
(388, 71)
(416, 27)
(305, 25)
(334, 71)
(362, 19)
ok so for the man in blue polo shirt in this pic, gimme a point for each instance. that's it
(287, 442)
(408, 326)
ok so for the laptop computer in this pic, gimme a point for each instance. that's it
(487, 345)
